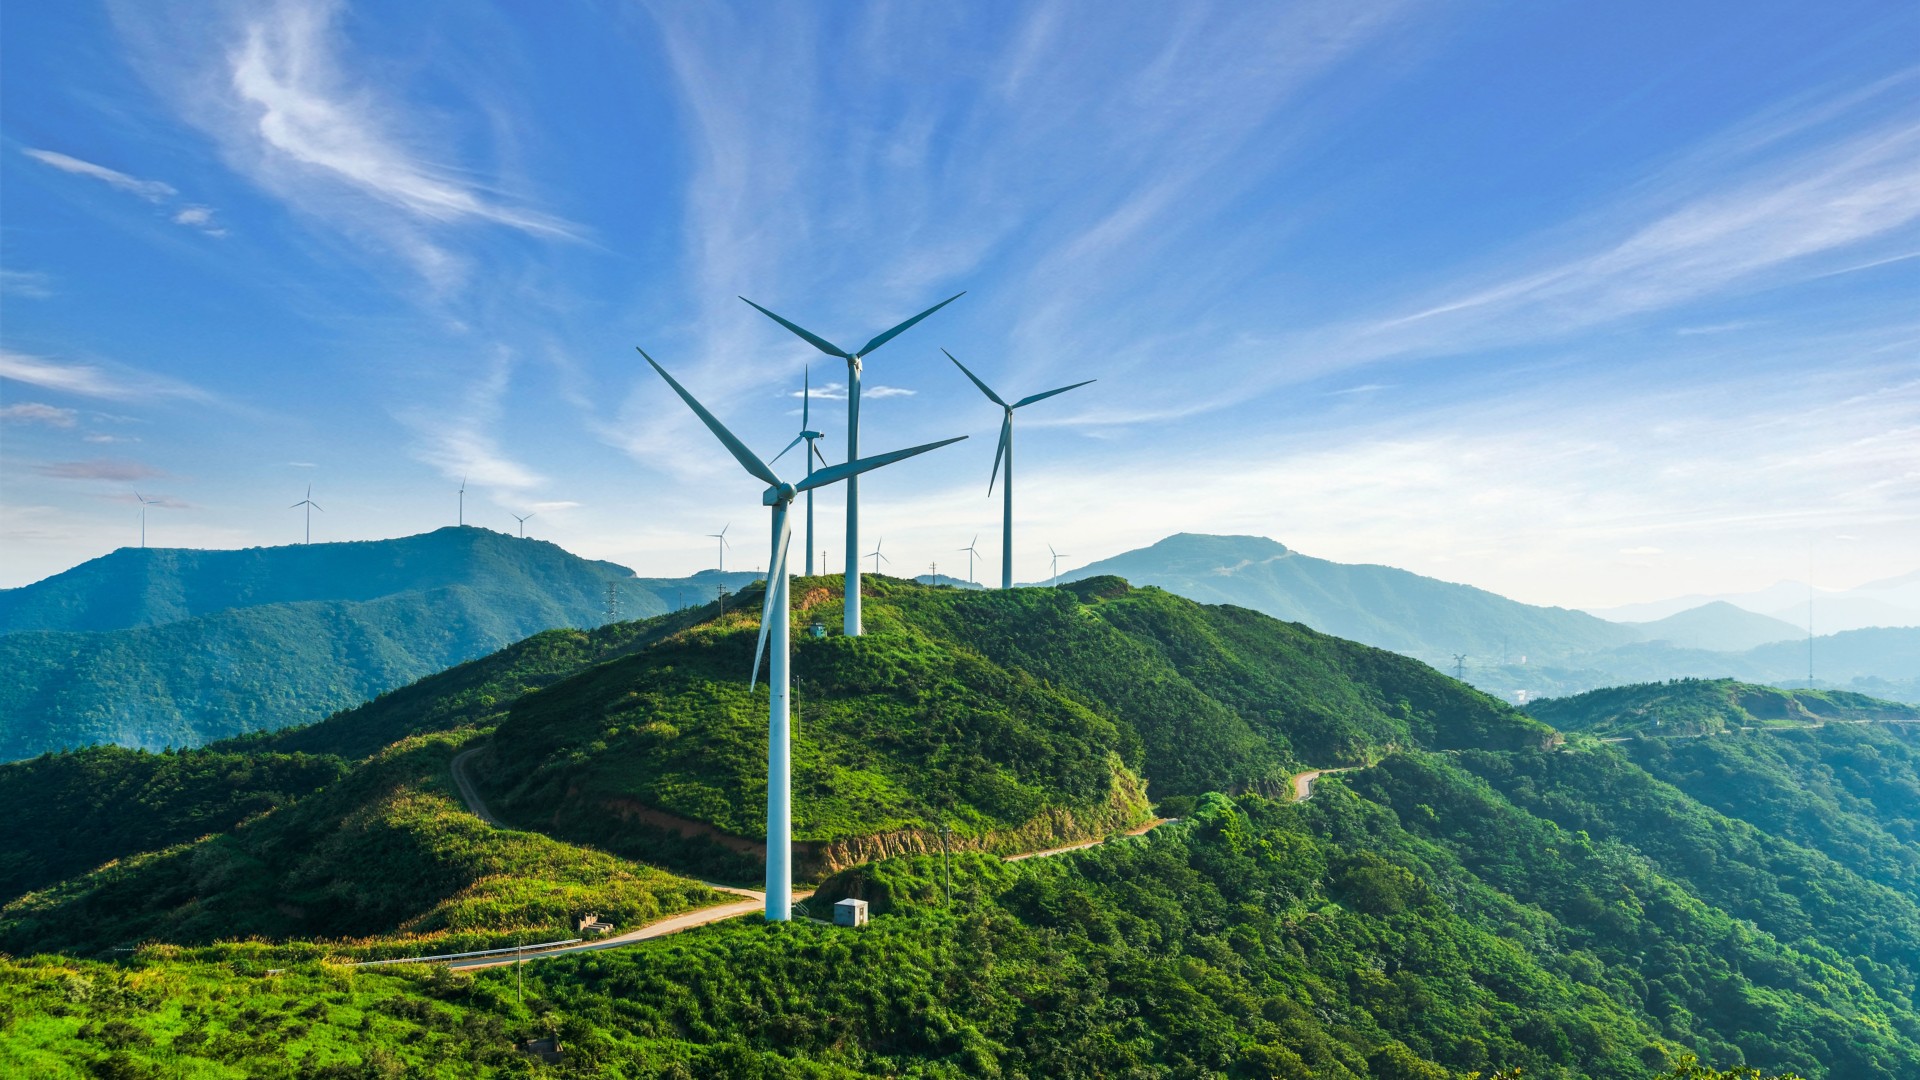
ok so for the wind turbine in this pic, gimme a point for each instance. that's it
(463, 499)
(522, 519)
(809, 435)
(852, 619)
(720, 536)
(876, 556)
(144, 501)
(1055, 572)
(971, 554)
(1005, 452)
(775, 622)
(311, 507)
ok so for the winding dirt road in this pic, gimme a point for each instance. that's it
(1303, 782)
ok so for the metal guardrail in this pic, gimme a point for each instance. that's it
(468, 955)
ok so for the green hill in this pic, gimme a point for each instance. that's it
(1709, 706)
(1478, 896)
(163, 647)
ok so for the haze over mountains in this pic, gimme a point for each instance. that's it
(1511, 647)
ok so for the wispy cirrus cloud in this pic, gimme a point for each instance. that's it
(459, 440)
(35, 412)
(93, 380)
(289, 110)
(150, 190)
(99, 469)
(153, 191)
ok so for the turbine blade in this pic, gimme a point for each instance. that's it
(984, 388)
(789, 446)
(766, 604)
(1031, 398)
(818, 454)
(739, 449)
(805, 335)
(836, 473)
(806, 398)
(318, 507)
(1006, 437)
(902, 328)
(296, 506)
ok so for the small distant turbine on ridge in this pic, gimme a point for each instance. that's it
(311, 507)
(144, 503)
(809, 436)
(971, 554)
(463, 499)
(852, 613)
(775, 621)
(522, 519)
(720, 536)
(1005, 453)
(876, 556)
(1056, 563)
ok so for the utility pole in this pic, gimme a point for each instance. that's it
(946, 867)
(1460, 666)
(613, 601)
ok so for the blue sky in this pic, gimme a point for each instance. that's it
(1585, 304)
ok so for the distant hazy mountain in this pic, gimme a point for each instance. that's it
(1517, 650)
(1891, 601)
(155, 647)
(1377, 605)
(1719, 626)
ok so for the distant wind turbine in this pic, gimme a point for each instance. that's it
(463, 499)
(522, 519)
(1056, 563)
(775, 622)
(972, 552)
(1005, 453)
(812, 452)
(144, 503)
(851, 622)
(720, 536)
(876, 556)
(311, 507)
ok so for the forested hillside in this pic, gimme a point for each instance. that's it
(1478, 896)
(167, 647)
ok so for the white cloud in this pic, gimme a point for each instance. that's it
(882, 391)
(29, 284)
(91, 380)
(1642, 550)
(34, 412)
(99, 469)
(150, 190)
(458, 440)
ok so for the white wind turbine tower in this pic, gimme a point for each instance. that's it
(972, 553)
(144, 503)
(1055, 572)
(1005, 453)
(311, 507)
(463, 499)
(809, 436)
(851, 624)
(720, 537)
(775, 622)
(876, 556)
(522, 519)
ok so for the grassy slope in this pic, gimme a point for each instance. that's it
(991, 707)
(1262, 940)
(387, 852)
